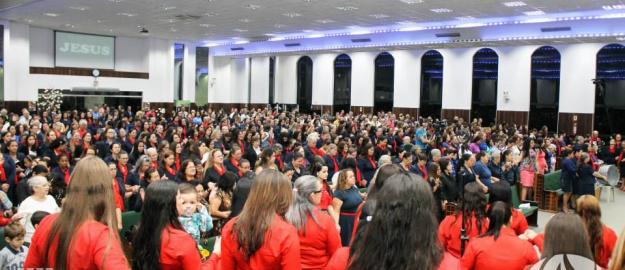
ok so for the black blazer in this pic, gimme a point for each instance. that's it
(241, 192)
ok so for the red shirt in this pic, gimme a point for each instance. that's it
(487, 253)
(326, 198)
(319, 241)
(178, 250)
(339, 259)
(449, 232)
(280, 250)
(89, 250)
(519, 223)
(119, 201)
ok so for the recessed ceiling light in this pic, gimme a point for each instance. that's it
(379, 16)
(292, 14)
(347, 8)
(464, 18)
(169, 8)
(28, 20)
(252, 7)
(79, 8)
(412, 2)
(277, 25)
(514, 4)
(126, 14)
(405, 22)
(534, 13)
(205, 25)
(210, 14)
(67, 25)
(245, 20)
(116, 1)
(239, 30)
(611, 7)
(173, 29)
(441, 10)
(325, 21)
(51, 14)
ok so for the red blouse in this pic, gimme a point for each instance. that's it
(178, 250)
(280, 250)
(319, 242)
(326, 198)
(449, 232)
(488, 253)
(90, 250)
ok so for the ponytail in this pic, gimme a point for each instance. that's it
(499, 215)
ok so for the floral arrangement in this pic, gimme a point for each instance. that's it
(49, 100)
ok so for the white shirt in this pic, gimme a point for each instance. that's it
(30, 206)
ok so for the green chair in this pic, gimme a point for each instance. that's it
(531, 213)
(363, 190)
(552, 182)
(210, 243)
(129, 219)
(3, 243)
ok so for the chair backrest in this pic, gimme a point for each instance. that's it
(552, 181)
(129, 219)
(3, 243)
(515, 196)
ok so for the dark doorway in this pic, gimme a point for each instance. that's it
(431, 84)
(272, 80)
(384, 82)
(485, 74)
(304, 84)
(342, 83)
(610, 90)
(545, 89)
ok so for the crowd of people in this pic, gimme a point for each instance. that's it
(288, 190)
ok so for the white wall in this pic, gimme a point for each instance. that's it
(407, 78)
(16, 63)
(260, 80)
(188, 80)
(578, 67)
(239, 85)
(286, 79)
(219, 85)
(457, 77)
(323, 79)
(363, 78)
(514, 77)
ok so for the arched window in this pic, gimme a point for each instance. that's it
(485, 74)
(384, 82)
(342, 83)
(304, 84)
(610, 90)
(431, 84)
(545, 88)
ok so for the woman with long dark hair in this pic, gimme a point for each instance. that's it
(528, 167)
(602, 239)
(220, 200)
(250, 240)
(471, 215)
(320, 171)
(501, 192)
(499, 245)
(84, 235)
(160, 241)
(318, 236)
(367, 163)
(400, 234)
(448, 182)
(187, 172)
(167, 167)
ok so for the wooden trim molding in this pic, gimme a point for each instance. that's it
(513, 117)
(323, 109)
(362, 109)
(575, 123)
(87, 72)
(413, 112)
(450, 114)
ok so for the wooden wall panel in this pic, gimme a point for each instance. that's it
(575, 123)
(449, 114)
(14, 106)
(87, 72)
(414, 112)
(513, 117)
(362, 109)
(322, 109)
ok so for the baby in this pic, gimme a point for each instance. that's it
(192, 214)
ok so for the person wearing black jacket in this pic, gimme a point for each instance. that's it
(465, 173)
(242, 189)
(510, 170)
(449, 187)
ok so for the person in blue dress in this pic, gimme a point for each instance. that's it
(347, 198)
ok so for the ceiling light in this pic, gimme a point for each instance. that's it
(514, 4)
(51, 14)
(611, 7)
(168, 8)
(325, 21)
(620, 38)
(411, 2)
(126, 14)
(245, 20)
(239, 30)
(441, 10)
(292, 14)
(210, 14)
(241, 42)
(379, 16)
(464, 18)
(28, 20)
(173, 29)
(411, 28)
(116, 1)
(79, 8)
(539, 20)
(347, 8)
(612, 16)
(534, 13)
(318, 35)
(470, 25)
(276, 39)
(277, 25)
(252, 7)
(68, 25)
(205, 25)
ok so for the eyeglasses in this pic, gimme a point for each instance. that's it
(317, 191)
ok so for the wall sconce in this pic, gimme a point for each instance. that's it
(506, 96)
(212, 82)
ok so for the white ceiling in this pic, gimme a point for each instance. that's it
(206, 20)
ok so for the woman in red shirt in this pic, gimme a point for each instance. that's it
(602, 238)
(84, 235)
(500, 191)
(318, 236)
(499, 246)
(259, 238)
(473, 208)
(161, 242)
(320, 170)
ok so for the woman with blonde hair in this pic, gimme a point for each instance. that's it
(618, 257)
(214, 167)
(602, 239)
(345, 202)
(254, 238)
(84, 235)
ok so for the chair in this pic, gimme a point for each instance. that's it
(210, 243)
(3, 243)
(531, 213)
(610, 192)
(553, 190)
(129, 219)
